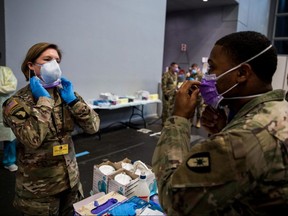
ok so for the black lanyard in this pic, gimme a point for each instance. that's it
(59, 132)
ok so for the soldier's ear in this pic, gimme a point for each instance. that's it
(30, 65)
(244, 72)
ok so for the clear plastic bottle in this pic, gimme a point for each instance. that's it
(142, 190)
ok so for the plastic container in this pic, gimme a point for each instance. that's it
(142, 190)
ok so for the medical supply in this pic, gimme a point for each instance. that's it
(142, 190)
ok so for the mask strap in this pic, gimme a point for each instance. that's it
(229, 89)
(239, 65)
(243, 97)
(29, 75)
(232, 69)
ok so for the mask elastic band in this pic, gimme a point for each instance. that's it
(242, 97)
(229, 89)
(234, 68)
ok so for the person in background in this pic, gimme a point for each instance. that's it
(194, 73)
(43, 115)
(181, 77)
(8, 85)
(241, 169)
(169, 84)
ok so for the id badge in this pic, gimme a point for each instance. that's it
(60, 150)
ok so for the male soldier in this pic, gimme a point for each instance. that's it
(169, 86)
(241, 169)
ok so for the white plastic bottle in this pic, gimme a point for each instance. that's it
(142, 190)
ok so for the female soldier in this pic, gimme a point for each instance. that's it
(42, 115)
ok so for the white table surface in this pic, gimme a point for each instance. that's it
(129, 104)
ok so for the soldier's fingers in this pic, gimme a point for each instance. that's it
(187, 85)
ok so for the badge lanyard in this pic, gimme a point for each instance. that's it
(61, 149)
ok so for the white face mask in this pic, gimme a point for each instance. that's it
(50, 74)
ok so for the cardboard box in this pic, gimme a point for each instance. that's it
(100, 180)
(150, 179)
(86, 206)
(126, 190)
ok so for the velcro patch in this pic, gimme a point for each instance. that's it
(20, 114)
(10, 107)
(199, 162)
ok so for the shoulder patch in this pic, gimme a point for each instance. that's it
(199, 162)
(20, 114)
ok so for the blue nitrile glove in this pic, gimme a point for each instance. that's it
(37, 89)
(67, 92)
(128, 209)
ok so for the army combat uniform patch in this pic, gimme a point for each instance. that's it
(10, 107)
(16, 110)
(20, 114)
(199, 162)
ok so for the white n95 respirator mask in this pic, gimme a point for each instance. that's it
(50, 74)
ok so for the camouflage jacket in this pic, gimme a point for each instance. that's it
(243, 170)
(169, 85)
(40, 128)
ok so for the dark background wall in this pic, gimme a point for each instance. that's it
(199, 29)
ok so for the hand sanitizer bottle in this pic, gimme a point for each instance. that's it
(142, 190)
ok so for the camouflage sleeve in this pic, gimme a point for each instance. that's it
(85, 116)
(200, 179)
(169, 154)
(28, 124)
(8, 81)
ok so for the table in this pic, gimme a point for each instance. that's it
(136, 105)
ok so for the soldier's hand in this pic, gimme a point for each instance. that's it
(37, 89)
(213, 120)
(67, 91)
(186, 99)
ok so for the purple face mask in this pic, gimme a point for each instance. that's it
(208, 88)
(209, 91)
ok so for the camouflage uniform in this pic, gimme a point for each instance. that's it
(41, 127)
(169, 87)
(242, 170)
